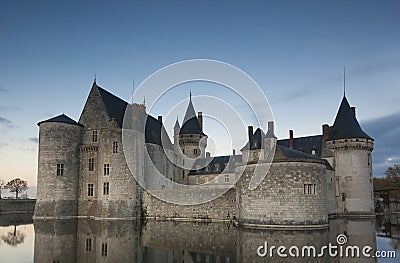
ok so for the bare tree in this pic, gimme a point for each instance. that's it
(393, 174)
(17, 186)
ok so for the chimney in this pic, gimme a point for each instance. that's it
(325, 131)
(291, 139)
(233, 152)
(160, 119)
(250, 132)
(354, 111)
(200, 118)
(271, 126)
(208, 155)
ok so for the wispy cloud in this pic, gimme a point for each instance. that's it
(4, 121)
(386, 132)
(6, 108)
(34, 139)
(376, 67)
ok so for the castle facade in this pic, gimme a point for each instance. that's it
(83, 171)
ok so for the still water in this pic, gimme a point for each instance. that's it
(53, 241)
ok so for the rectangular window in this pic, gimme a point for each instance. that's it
(226, 178)
(216, 167)
(90, 190)
(106, 188)
(60, 169)
(369, 159)
(115, 147)
(94, 136)
(104, 249)
(313, 152)
(195, 151)
(88, 244)
(309, 189)
(106, 169)
(91, 164)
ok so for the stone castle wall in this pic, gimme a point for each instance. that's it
(222, 208)
(280, 198)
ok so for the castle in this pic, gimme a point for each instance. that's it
(83, 171)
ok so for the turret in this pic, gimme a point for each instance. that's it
(58, 167)
(352, 149)
(192, 140)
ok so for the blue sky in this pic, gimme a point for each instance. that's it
(295, 50)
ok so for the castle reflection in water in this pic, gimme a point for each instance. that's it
(168, 241)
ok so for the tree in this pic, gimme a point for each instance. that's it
(17, 185)
(393, 175)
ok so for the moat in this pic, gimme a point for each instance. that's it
(23, 240)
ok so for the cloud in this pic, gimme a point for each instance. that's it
(2, 89)
(34, 139)
(4, 121)
(386, 132)
(377, 67)
(2, 144)
(6, 108)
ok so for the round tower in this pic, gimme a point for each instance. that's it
(352, 162)
(58, 167)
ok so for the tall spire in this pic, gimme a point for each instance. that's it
(344, 81)
(94, 81)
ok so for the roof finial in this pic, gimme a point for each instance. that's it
(94, 78)
(344, 81)
(144, 101)
(190, 95)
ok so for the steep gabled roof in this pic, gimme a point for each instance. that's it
(61, 118)
(190, 123)
(230, 160)
(346, 125)
(115, 106)
(305, 144)
(293, 154)
(155, 133)
(255, 141)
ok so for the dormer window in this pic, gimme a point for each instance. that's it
(216, 167)
(313, 152)
(255, 144)
(207, 168)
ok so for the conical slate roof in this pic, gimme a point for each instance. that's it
(346, 125)
(61, 118)
(177, 126)
(190, 123)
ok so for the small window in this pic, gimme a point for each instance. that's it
(216, 167)
(60, 169)
(207, 168)
(94, 136)
(90, 190)
(313, 152)
(226, 178)
(309, 189)
(226, 166)
(91, 164)
(195, 151)
(106, 169)
(106, 188)
(104, 250)
(88, 244)
(115, 147)
(255, 144)
(369, 159)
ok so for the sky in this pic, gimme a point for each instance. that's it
(295, 51)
